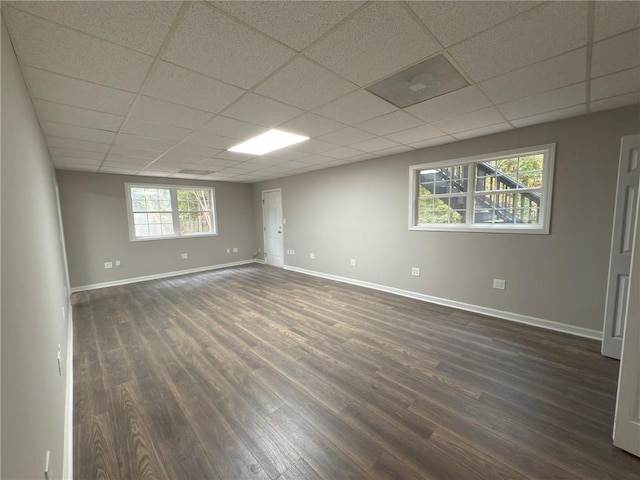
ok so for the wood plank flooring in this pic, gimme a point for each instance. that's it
(260, 373)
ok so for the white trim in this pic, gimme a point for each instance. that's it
(174, 211)
(514, 317)
(156, 276)
(67, 461)
(549, 152)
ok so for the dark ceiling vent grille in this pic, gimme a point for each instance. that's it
(431, 78)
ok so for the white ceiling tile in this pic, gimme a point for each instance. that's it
(432, 142)
(417, 134)
(261, 110)
(346, 136)
(78, 133)
(79, 154)
(143, 142)
(540, 33)
(285, 154)
(375, 144)
(177, 85)
(266, 161)
(479, 118)
(215, 45)
(615, 102)
(56, 112)
(235, 156)
(211, 140)
(305, 85)
(159, 111)
(78, 93)
(292, 165)
(157, 173)
(356, 50)
(356, 107)
(170, 161)
(189, 150)
(119, 170)
(616, 53)
(215, 164)
(612, 18)
(77, 144)
(482, 131)
(342, 152)
(141, 26)
(184, 175)
(389, 123)
(358, 158)
(154, 130)
(230, 127)
(324, 160)
(544, 102)
(311, 125)
(60, 159)
(550, 116)
(556, 72)
(452, 22)
(113, 159)
(451, 104)
(77, 167)
(52, 47)
(313, 146)
(127, 151)
(620, 83)
(394, 150)
(295, 24)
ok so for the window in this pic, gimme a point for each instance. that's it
(501, 192)
(165, 211)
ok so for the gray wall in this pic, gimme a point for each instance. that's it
(361, 211)
(94, 213)
(33, 288)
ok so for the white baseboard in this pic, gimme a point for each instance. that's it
(125, 281)
(67, 462)
(514, 317)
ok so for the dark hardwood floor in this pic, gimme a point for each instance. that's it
(260, 373)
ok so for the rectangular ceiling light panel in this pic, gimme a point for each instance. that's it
(431, 78)
(268, 142)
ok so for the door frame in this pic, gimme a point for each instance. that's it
(264, 228)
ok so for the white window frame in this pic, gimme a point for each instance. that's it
(174, 211)
(543, 227)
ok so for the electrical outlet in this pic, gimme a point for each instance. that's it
(235, 249)
(499, 284)
(353, 262)
(293, 252)
(108, 265)
(118, 263)
(415, 271)
(312, 256)
(229, 250)
(184, 256)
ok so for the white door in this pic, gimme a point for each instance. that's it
(272, 227)
(621, 246)
(626, 428)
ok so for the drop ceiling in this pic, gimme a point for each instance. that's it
(155, 88)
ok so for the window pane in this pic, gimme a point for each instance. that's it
(195, 223)
(140, 218)
(153, 211)
(142, 230)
